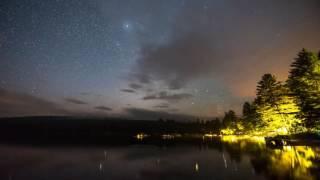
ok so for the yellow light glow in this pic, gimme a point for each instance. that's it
(196, 167)
(141, 136)
(227, 131)
(237, 138)
(209, 135)
(167, 136)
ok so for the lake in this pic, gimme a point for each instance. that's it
(210, 159)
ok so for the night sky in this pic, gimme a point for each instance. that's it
(145, 58)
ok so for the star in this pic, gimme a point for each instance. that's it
(126, 26)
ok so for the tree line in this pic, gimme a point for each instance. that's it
(282, 108)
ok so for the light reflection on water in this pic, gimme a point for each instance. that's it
(212, 160)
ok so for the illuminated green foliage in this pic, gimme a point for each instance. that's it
(282, 108)
(227, 131)
(277, 108)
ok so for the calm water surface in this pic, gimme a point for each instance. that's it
(210, 160)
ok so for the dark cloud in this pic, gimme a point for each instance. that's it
(173, 110)
(224, 42)
(19, 104)
(135, 86)
(144, 114)
(103, 108)
(178, 62)
(128, 90)
(90, 94)
(162, 106)
(75, 101)
(168, 97)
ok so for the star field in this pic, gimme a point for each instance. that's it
(190, 57)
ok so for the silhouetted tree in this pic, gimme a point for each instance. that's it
(250, 117)
(266, 89)
(229, 118)
(246, 109)
(304, 82)
(213, 125)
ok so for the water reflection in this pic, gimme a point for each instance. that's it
(196, 167)
(211, 159)
(287, 162)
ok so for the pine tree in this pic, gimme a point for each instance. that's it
(304, 81)
(266, 89)
(276, 107)
(229, 119)
(250, 118)
(246, 109)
